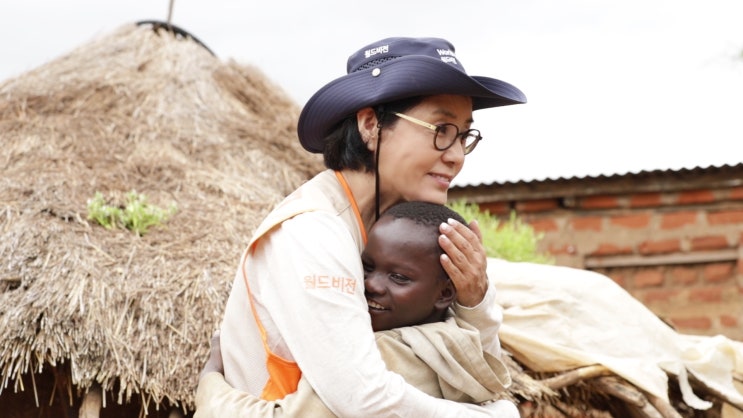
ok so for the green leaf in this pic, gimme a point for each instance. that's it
(136, 215)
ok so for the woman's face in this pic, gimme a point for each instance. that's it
(403, 278)
(410, 167)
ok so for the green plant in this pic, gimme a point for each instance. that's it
(511, 240)
(136, 214)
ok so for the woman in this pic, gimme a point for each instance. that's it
(395, 128)
(409, 295)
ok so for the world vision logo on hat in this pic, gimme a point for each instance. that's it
(448, 56)
(378, 50)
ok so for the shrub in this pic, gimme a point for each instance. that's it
(511, 240)
(135, 215)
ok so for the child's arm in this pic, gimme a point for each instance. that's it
(217, 399)
(487, 317)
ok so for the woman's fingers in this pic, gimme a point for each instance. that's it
(464, 260)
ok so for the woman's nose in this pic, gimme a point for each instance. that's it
(454, 155)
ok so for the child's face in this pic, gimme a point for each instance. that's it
(403, 276)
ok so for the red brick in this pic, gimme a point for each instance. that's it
(736, 193)
(587, 223)
(683, 275)
(706, 294)
(632, 221)
(659, 247)
(648, 278)
(495, 208)
(599, 202)
(563, 249)
(718, 272)
(537, 205)
(659, 295)
(678, 219)
(699, 322)
(710, 242)
(645, 200)
(725, 217)
(611, 249)
(695, 197)
(729, 321)
(543, 225)
(619, 279)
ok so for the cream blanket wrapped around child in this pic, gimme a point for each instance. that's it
(443, 359)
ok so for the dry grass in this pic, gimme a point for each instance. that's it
(145, 111)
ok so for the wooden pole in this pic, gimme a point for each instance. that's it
(175, 413)
(92, 402)
(571, 377)
(170, 11)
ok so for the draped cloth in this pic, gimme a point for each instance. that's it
(559, 318)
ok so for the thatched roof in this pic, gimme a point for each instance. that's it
(140, 110)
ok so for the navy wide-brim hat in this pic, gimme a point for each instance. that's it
(395, 69)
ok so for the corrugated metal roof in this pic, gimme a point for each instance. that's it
(648, 181)
(629, 174)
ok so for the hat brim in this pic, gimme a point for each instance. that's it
(397, 79)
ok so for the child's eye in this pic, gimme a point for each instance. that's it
(367, 267)
(399, 278)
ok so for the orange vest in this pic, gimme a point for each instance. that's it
(284, 375)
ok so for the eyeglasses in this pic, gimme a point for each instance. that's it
(446, 134)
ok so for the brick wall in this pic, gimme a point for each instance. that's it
(675, 248)
(679, 253)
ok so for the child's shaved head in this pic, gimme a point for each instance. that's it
(424, 213)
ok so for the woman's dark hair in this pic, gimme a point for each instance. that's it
(344, 147)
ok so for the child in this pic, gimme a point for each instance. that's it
(404, 282)
(409, 294)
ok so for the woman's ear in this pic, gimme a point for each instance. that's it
(367, 123)
(447, 296)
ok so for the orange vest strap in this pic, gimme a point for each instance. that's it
(283, 375)
(355, 206)
(283, 378)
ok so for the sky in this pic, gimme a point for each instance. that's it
(613, 86)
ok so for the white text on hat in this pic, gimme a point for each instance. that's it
(378, 50)
(447, 56)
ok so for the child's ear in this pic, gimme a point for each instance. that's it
(447, 296)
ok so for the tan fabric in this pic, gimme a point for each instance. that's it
(443, 359)
(558, 318)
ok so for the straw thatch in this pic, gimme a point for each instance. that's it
(140, 110)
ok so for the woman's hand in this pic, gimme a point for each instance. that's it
(465, 261)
